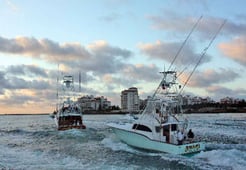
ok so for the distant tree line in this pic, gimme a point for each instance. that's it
(217, 107)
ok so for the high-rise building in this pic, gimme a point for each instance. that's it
(130, 99)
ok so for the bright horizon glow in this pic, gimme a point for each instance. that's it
(117, 44)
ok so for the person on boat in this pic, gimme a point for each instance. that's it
(180, 137)
(190, 135)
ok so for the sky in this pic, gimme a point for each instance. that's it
(118, 44)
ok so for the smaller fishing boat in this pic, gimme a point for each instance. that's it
(161, 126)
(68, 114)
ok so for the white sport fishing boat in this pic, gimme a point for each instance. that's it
(160, 122)
(68, 114)
(162, 126)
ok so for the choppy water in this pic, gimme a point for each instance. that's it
(32, 142)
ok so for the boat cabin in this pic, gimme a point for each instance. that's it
(166, 132)
(169, 131)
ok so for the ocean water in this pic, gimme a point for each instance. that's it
(32, 142)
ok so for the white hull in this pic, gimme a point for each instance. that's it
(135, 139)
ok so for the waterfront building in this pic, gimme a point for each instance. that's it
(130, 100)
(88, 103)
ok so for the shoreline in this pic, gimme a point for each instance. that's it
(114, 113)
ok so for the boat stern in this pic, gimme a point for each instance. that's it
(191, 148)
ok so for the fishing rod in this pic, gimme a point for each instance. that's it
(193, 28)
(203, 54)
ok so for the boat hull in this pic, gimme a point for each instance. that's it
(138, 140)
(71, 127)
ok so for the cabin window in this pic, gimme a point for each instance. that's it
(173, 127)
(158, 129)
(141, 127)
(166, 128)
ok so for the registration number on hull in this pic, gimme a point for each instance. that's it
(192, 148)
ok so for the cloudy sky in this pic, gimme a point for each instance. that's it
(117, 44)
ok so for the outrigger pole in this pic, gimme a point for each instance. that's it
(57, 95)
(203, 54)
(193, 28)
(80, 81)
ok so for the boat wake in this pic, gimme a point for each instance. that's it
(216, 156)
(228, 159)
(116, 145)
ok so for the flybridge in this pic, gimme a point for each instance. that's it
(68, 81)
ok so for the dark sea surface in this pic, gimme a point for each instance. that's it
(31, 142)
